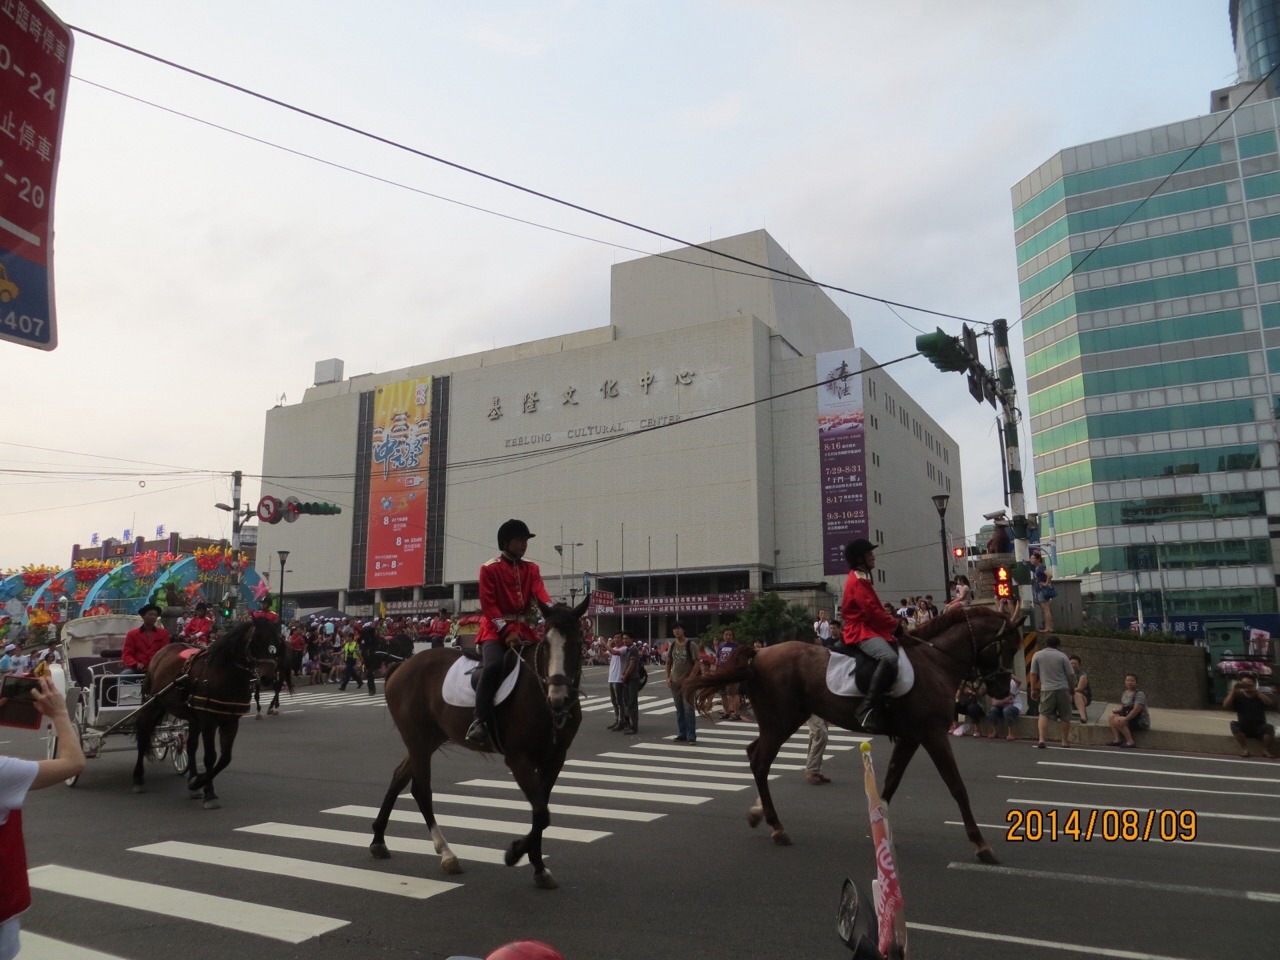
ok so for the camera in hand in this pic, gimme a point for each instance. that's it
(17, 705)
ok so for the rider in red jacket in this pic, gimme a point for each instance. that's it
(144, 642)
(868, 629)
(509, 585)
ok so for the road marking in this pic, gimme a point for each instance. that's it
(1155, 773)
(512, 827)
(713, 739)
(401, 886)
(650, 781)
(559, 809)
(36, 947)
(1043, 944)
(984, 826)
(288, 926)
(653, 768)
(1164, 755)
(608, 705)
(596, 792)
(800, 735)
(1103, 806)
(690, 749)
(739, 764)
(1139, 786)
(1257, 896)
(350, 838)
(291, 711)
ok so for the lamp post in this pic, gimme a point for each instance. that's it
(940, 501)
(559, 547)
(283, 555)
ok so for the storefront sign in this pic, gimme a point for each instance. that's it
(398, 484)
(842, 456)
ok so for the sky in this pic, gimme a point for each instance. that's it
(201, 273)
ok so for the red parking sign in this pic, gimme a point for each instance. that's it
(35, 67)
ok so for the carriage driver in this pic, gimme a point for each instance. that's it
(144, 642)
(509, 584)
(868, 629)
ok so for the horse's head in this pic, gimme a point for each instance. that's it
(997, 638)
(564, 652)
(266, 650)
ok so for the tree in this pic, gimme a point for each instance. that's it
(770, 620)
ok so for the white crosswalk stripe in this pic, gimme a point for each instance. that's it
(596, 792)
(36, 947)
(516, 828)
(289, 926)
(361, 838)
(657, 768)
(558, 809)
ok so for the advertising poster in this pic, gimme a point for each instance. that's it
(398, 484)
(842, 452)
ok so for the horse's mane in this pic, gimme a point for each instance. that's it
(229, 648)
(945, 621)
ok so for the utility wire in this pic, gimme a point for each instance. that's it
(1134, 212)
(493, 178)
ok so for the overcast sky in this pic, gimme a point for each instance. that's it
(201, 274)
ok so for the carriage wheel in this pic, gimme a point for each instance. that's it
(52, 747)
(158, 750)
(179, 741)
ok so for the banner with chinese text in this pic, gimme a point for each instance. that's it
(401, 448)
(842, 453)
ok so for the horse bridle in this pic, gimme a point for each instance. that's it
(975, 674)
(559, 716)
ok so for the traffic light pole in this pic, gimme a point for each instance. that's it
(236, 477)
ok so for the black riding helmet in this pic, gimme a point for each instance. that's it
(512, 529)
(855, 550)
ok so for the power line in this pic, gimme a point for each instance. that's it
(493, 178)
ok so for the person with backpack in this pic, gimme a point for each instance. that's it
(681, 657)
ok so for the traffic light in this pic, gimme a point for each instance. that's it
(294, 508)
(957, 552)
(1004, 585)
(943, 351)
(228, 606)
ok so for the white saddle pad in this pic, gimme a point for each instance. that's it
(840, 679)
(457, 683)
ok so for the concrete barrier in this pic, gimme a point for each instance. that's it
(1172, 675)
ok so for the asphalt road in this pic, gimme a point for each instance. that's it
(651, 850)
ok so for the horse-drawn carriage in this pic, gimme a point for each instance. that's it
(101, 702)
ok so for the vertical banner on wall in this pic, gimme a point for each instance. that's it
(399, 459)
(842, 452)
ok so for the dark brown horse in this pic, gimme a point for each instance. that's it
(787, 683)
(535, 726)
(211, 692)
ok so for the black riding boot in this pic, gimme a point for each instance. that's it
(871, 717)
(481, 732)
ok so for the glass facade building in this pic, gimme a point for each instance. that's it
(1153, 370)
(1255, 32)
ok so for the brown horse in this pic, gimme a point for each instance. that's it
(787, 683)
(211, 692)
(535, 726)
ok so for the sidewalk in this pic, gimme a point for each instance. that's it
(1185, 731)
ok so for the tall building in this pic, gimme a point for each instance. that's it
(1255, 33)
(682, 452)
(1154, 369)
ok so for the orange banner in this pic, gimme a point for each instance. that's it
(398, 485)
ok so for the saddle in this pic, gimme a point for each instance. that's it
(459, 687)
(850, 676)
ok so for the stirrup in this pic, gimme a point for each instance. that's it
(478, 733)
(872, 719)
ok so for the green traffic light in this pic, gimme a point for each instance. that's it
(943, 351)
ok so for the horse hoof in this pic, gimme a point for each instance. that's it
(214, 804)
(273, 713)
(259, 716)
(514, 853)
(781, 839)
(450, 865)
(754, 817)
(379, 851)
(987, 856)
(545, 881)
(139, 788)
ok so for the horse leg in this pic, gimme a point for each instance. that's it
(148, 717)
(226, 739)
(938, 746)
(761, 752)
(273, 709)
(399, 780)
(903, 751)
(535, 791)
(193, 770)
(257, 699)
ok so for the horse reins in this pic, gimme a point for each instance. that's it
(974, 672)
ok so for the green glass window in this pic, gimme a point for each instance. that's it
(1042, 241)
(1271, 314)
(1185, 416)
(1266, 185)
(1171, 463)
(1053, 355)
(1164, 331)
(1148, 168)
(1051, 315)
(1038, 204)
(1203, 370)
(1273, 361)
(1162, 205)
(1257, 144)
(1161, 288)
(1264, 228)
(1067, 391)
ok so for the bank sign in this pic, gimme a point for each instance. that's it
(35, 68)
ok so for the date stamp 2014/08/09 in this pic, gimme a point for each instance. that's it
(1111, 826)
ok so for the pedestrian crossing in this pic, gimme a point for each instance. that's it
(637, 781)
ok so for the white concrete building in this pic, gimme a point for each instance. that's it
(665, 444)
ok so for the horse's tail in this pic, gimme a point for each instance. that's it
(701, 686)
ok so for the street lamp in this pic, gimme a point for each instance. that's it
(940, 501)
(573, 590)
(283, 555)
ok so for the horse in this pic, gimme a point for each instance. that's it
(376, 652)
(278, 664)
(535, 727)
(788, 683)
(210, 689)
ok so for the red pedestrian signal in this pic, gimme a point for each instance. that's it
(957, 552)
(1004, 586)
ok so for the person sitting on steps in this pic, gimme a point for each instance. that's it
(868, 629)
(509, 587)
